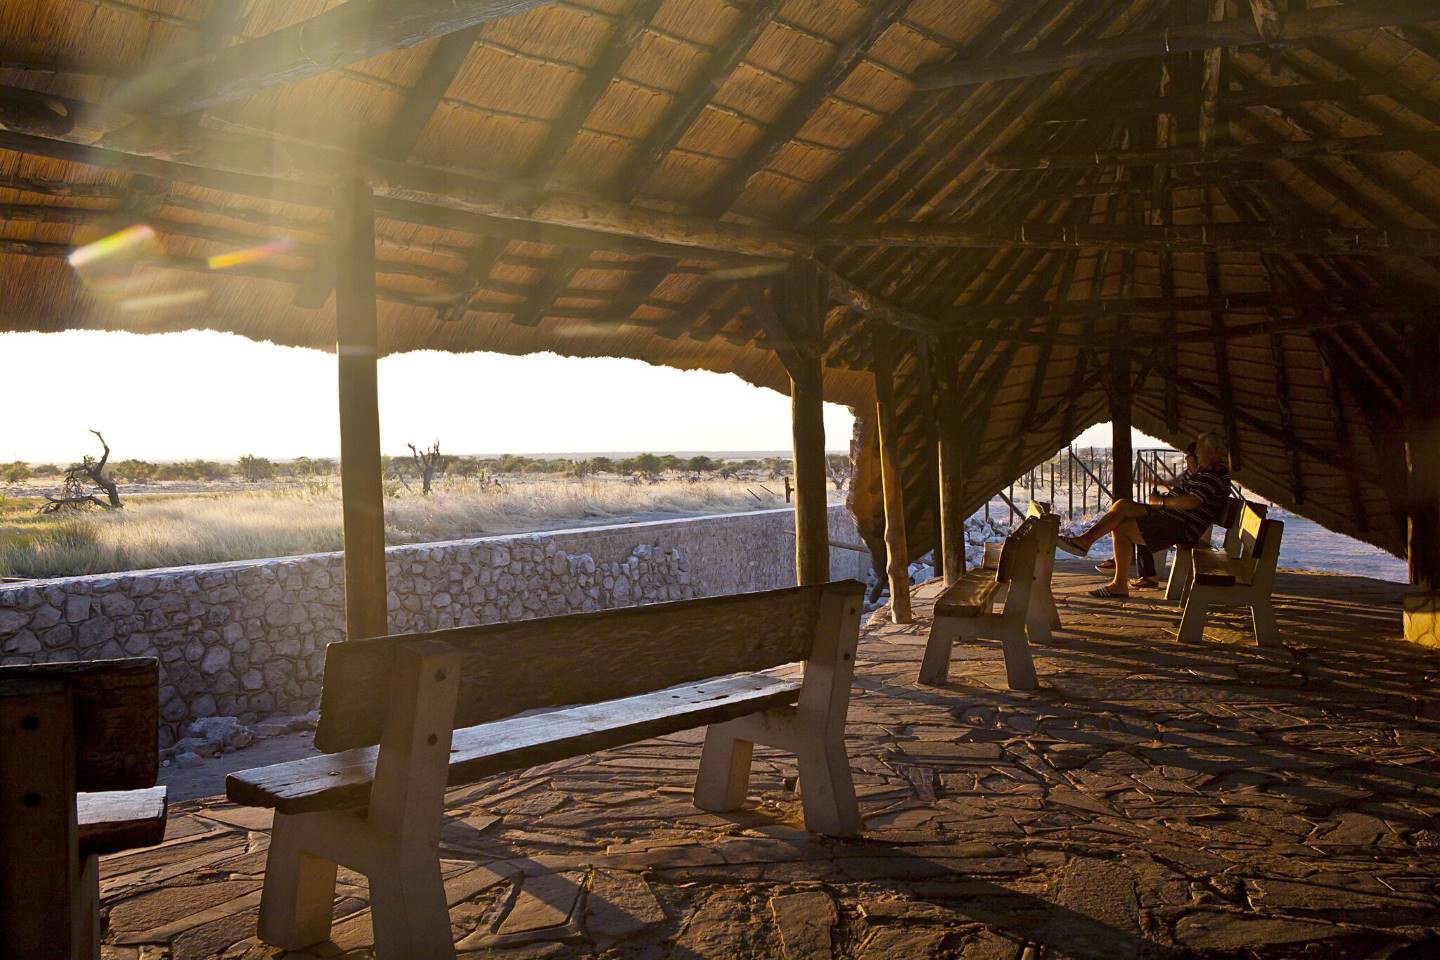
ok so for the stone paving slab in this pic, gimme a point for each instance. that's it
(1149, 801)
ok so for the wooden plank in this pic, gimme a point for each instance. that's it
(117, 820)
(343, 779)
(352, 31)
(897, 551)
(584, 658)
(38, 857)
(969, 597)
(1298, 26)
(357, 349)
(116, 708)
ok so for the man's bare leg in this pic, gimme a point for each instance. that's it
(1121, 511)
(1126, 536)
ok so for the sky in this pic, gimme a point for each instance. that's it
(217, 396)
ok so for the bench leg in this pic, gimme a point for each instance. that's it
(827, 791)
(1019, 664)
(408, 910)
(724, 776)
(1192, 621)
(1262, 615)
(299, 894)
(86, 911)
(1180, 572)
(935, 667)
(1039, 619)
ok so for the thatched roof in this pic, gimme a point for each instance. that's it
(592, 176)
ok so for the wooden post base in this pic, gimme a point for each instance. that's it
(1422, 619)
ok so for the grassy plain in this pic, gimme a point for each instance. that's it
(162, 530)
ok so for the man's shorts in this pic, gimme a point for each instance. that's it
(1161, 530)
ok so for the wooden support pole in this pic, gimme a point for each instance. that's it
(1122, 484)
(804, 301)
(952, 476)
(357, 346)
(1422, 467)
(897, 550)
(925, 360)
(812, 526)
(1422, 453)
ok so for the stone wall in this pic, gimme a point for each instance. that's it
(247, 639)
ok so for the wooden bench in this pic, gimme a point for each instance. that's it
(1232, 520)
(966, 611)
(403, 717)
(1219, 579)
(78, 758)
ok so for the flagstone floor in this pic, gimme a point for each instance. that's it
(1151, 800)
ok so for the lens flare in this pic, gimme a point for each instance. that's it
(264, 251)
(126, 242)
(164, 301)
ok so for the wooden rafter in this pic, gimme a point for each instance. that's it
(1298, 26)
(352, 31)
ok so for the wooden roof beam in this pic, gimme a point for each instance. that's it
(1078, 110)
(1419, 143)
(301, 173)
(1296, 27)
(352, 31)
(1274, 237)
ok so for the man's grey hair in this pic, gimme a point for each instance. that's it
(1215, 442)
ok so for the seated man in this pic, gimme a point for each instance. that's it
(1146, 577)
(1179, 516)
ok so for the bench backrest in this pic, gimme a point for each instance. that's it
(1018, 560)
(1265, 549)
(1242, 522)
(509, 668)
(115, 716)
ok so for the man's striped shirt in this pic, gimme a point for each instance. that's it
(1212, 486)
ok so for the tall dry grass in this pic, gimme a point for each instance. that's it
(177, 531)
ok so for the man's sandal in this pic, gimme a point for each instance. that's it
(1072, 546)
(1105, 593)
(1144, 583)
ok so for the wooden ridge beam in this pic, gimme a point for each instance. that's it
(264, 187)
(352, 31)
(1420, 142)
(1077, 111)
(1296, 27)
(300, 173)
(967, 317)
(1268, 236)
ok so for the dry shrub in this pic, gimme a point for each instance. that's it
(176, 531)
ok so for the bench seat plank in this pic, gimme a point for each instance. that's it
(970, 597)
(115, 820)
(342, 780)
(1218, 569)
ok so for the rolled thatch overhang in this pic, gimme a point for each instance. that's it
(1008, 195)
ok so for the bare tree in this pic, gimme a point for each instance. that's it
(92, 472)
(838, 466)
(427, 462)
